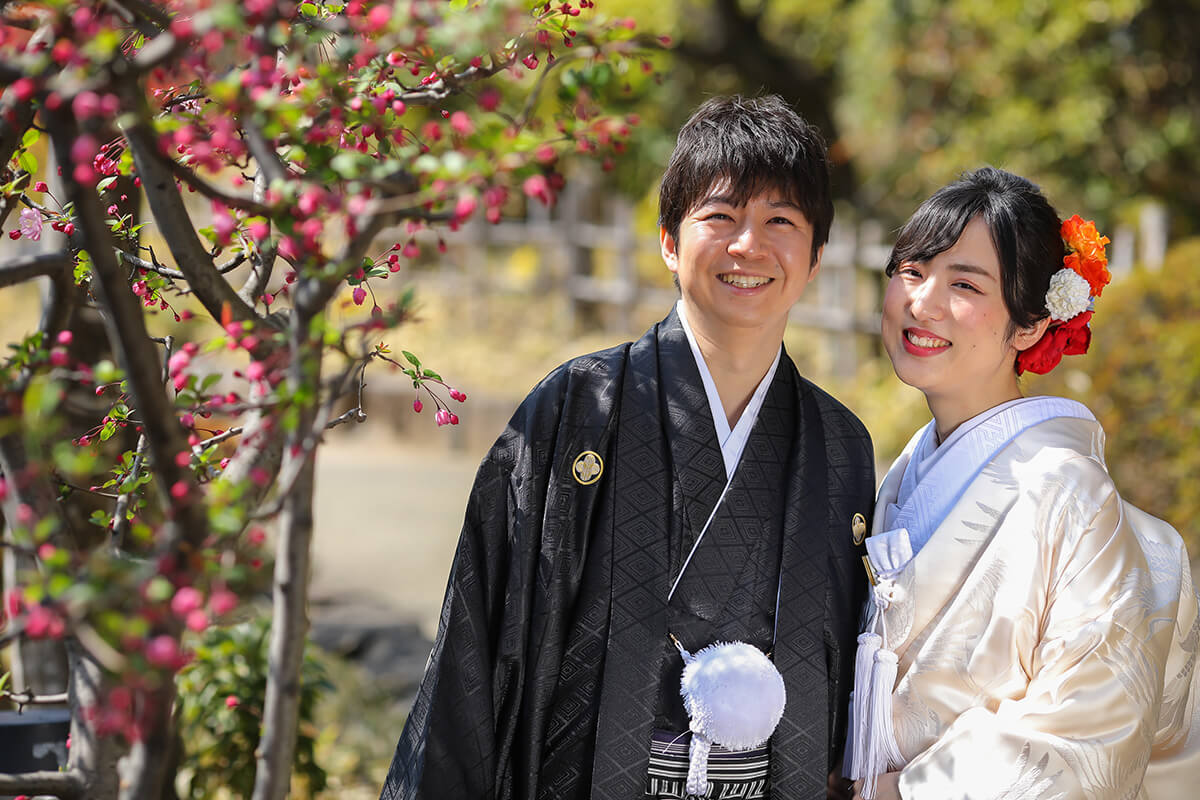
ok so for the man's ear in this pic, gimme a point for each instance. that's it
(670, 252)
(815, 267)
(1026, 338)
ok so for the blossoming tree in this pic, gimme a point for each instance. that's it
(288, 154)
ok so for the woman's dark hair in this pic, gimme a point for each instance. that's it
(757, 144)
(1025, 231)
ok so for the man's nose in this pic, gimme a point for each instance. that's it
(748, 242)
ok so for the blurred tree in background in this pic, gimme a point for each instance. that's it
(1097, 100)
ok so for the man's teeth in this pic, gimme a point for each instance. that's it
(925, 341)
(744, 281)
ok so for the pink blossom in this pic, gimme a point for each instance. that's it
(179, 490)
(232, 702)
(41, 186)
(256, 536)
(59, 357)
(256, 371)
(197, 621)
(360, 294)
(465, 206)
(64, 337)
(186, 600)
(461, 123)
(178, 362)
(222, 602)
(537, 187)
(162, 651)
(31, 224)
(442, 417)
(489, 99)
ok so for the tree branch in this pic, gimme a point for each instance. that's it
(289, 630)
(263, 260)
(24, 268)
(175, 225)
(208, 190)
(120, 512)
(67, 785)
(136, 353)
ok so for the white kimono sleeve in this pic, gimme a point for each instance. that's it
(1088, 719)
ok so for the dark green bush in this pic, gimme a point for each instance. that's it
(221, 697)
(1142, 380)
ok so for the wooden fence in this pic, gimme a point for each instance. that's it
(592, 254)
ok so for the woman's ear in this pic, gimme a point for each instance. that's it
(1026, 338)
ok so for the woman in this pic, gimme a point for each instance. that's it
(1032, 635)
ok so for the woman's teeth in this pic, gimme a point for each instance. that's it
(926, 341)
(744, 281)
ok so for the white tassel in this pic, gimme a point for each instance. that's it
(880, 750)
(864, 660)
(697, 777)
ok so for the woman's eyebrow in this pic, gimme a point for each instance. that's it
(973, 269)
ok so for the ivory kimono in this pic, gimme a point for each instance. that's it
(1045, 633)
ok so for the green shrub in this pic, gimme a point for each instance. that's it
(221, 697)
(1142, 380)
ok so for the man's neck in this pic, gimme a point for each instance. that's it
(737, 360)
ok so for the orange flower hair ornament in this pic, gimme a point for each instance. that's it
(1070, 299)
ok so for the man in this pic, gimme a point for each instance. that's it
(690, 483)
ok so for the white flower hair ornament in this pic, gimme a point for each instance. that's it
(734, 696)
(1069, 294)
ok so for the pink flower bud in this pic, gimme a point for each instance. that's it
(59, 357)
(179, 490)
(197, 621)
(232, 702)
(461, 123)
(162, 651)
(256, 371)
(360, 294)
(256, 536)
(442, 417)
(186, 600)
(183, 458)
(41, 186)
(418, 405)
(64, 337)
(46, 551)
(453, 419)
(222, 602)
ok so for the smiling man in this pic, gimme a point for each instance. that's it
(654, 499)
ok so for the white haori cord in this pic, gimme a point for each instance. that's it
(733, 693)
(873, 749)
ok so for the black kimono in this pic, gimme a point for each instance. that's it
(546, 676)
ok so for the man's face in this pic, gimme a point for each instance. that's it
(741, 267)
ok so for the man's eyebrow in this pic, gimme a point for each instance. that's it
(727, 200)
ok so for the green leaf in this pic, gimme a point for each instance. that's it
(309, 9)
(416, 362)
(28, 162)
(431, 374)
(30, 138)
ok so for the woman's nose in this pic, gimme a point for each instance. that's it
(926, 300)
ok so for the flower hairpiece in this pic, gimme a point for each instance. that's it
(1070, 298)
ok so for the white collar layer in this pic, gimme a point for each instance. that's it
(732, 441)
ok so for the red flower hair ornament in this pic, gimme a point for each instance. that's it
(1070, 299)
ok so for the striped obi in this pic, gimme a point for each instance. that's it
(743, 774)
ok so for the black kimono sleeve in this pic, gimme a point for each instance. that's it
(473, 725)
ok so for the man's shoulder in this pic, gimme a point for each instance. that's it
(591, 369)
(834, 413)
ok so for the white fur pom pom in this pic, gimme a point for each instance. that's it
(733, 694)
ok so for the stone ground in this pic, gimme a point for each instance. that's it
(388, 512)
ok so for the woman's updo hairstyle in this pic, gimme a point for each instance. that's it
(1025, 231)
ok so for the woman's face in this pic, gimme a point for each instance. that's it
(945, 327)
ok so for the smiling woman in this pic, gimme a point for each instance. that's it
(1028, 627)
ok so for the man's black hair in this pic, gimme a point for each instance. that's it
(755, 144)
